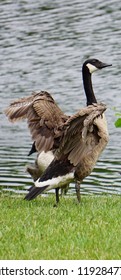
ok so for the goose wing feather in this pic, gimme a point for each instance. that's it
(43, 115)
(81, 133)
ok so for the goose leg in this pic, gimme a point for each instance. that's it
(57, 197)
(77, 187)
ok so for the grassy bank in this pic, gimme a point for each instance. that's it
(37, 230)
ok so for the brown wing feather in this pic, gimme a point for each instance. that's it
(81, 134)
(18, 109)
(43, 117)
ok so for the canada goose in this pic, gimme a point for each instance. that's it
(76, 141)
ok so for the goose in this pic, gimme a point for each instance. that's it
(76, 141)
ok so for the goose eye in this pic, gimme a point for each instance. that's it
(94, 61)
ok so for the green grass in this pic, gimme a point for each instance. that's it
(37, 230)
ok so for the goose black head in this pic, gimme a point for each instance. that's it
(94, 64)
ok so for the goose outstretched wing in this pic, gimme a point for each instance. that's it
(81, 134)
(44, 117)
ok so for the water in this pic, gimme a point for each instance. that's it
(43, 46)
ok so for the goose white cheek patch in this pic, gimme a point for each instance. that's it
(91, 68)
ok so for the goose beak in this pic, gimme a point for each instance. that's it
(103, 65)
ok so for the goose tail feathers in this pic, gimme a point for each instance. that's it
(34, 192)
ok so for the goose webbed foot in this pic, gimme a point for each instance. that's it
(77, 187)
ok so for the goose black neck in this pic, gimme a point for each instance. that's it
(88, 86)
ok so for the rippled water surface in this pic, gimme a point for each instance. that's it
(43, 46)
